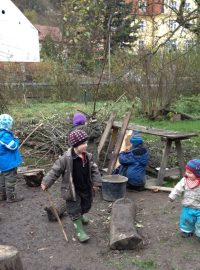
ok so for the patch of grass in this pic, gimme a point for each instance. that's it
(146, 264)
(170, 182)
(124, 262)
(41, 110)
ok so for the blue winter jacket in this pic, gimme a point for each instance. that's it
(10, 157)
(133, 165)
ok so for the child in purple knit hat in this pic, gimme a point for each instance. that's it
(93, 129)
(79, 119)
(79, 176)
(189, 186)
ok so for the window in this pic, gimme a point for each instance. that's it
(189, 44)
(141, 44)
(172, 25)
(171, 45)
(142, 5)
(173, 4)
(187, 6)
(142, 25)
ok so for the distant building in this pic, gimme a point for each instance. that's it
(157, 24)
(19, 39)
(52, 31)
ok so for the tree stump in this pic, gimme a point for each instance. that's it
(34, 177)
(9, 258)
(60, 207)
(123, 234)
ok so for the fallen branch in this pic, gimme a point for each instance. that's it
(56, 214)
(158, 188)
(30, 135)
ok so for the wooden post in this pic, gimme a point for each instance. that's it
(180, 156)
(163, 164)
(106, 132)
(118, 144)
(9, 258)
(126, 145)
(123, 234)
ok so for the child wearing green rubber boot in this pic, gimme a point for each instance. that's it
(79, 175)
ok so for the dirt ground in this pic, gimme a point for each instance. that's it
(42, 246)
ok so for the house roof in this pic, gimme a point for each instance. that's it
(45, 30)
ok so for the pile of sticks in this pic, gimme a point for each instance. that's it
(45, 140)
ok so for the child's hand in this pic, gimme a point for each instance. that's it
(170, 204)
(95, 188)
(43, 187)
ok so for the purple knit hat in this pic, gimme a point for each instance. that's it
(77, 137)
(194, 166)
(79, 119)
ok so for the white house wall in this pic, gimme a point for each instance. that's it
(19, 39)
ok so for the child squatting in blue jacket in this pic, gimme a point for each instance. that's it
(10, 159)
(134, 162)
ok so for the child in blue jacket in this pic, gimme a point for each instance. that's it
(10, 159)
(134, 162)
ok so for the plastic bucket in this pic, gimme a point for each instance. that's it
(113, 187)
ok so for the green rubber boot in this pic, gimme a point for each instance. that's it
(80, 233)
(85, 220)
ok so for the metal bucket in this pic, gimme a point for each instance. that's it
(113, 187)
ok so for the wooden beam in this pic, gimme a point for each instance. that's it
(120, 139)
(157, 132)
(163, 164)
(106, 132)
(180, 156)
(173, 172)
(158, 188)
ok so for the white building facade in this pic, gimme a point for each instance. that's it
(19, 39)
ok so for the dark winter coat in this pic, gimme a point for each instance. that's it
(133, 164)
(93, 131)
(64, 167)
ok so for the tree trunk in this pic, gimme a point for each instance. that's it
(123, 234)
(34, 177)
(9, 258)
(60, 207)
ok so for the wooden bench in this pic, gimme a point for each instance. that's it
(169, 137)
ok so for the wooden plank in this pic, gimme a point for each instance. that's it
(172, 172)
(163, 164)
(106, 132)
(156, 131)
(158, 188)
(180, 156)
(126, 145)
(119, 143)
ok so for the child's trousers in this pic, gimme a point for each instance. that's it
(7, 184)
(190, 220)
(81, 206)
